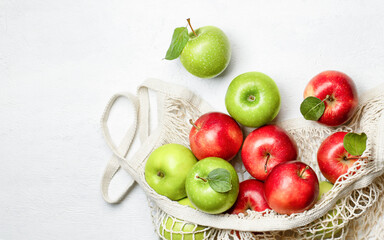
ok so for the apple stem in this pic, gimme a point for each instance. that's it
(205, 180)
(266, 162)
(251, 98)
(350, 158)
(189, 23)
(160, 174)
(329, 98)
(302, 172)
(193, 124)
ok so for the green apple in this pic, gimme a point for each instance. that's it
(328, 229)
(174, 225)
(324, 187)
(209, 189)
(207, 53)
(186, 202)
(167, 168)
(253, 99)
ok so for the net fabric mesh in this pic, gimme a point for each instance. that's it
(352, 217)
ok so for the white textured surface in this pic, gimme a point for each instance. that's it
(60, 61)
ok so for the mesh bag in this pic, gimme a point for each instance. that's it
(353, 209)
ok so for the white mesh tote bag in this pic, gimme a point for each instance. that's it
(351, 210)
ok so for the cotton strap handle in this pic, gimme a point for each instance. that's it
(117, 160)
(140, 123)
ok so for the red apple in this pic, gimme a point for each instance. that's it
(251, 196)
(215, 134)
(266, 147)
(291, 187)
(342, 96)
(332, 157)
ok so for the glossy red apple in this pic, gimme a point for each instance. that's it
(340, 96)
(251, 196)
(291, 187)
(215, 134)
(266, 147)
(332, 157)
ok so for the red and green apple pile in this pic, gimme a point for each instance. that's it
(280, 181)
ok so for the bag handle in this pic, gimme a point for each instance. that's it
(117, 160)
(141, 122)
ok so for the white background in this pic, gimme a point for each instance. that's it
(60, 61)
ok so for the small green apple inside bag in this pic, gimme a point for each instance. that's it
(326, 231)
(175, 229)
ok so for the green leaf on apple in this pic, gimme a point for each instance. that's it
(312, 108)
(219, 180)
(179, 40)
(355, 144)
